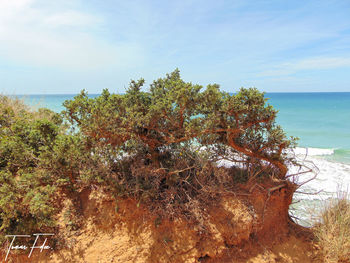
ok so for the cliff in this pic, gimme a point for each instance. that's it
(251, 225)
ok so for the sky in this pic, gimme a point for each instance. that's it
(62, 47)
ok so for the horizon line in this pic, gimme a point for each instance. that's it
(267, 92)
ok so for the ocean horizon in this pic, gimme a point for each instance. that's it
(321, 120)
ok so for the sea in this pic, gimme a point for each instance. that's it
(321, 121)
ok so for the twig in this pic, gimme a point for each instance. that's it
(312, 178)
(179, 171)
(295, 217)
(272, 189)
(305, 193)
(299, 173)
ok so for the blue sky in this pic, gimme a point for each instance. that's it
(60, 47)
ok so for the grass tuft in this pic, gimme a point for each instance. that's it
(333, 233)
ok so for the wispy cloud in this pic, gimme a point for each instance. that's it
(96, 44)
(44, 37)
(71, 18)
(317, 63)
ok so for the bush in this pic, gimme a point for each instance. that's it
(161, 146)
(26, 203)
(333, 233)
(40, 160)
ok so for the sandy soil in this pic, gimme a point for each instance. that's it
(245, 229)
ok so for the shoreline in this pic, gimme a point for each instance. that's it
(331, 180)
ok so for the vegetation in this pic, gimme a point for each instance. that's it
(159, 146)
(171, 136)
(333, 233)
(26, 190)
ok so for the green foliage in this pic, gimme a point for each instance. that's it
(159, 146)
(25, 194)
(175, 112)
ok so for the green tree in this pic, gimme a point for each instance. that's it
(174, 111)
(161, 145)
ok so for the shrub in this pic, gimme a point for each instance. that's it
(40, 160)
(161, 145)
(26, 193)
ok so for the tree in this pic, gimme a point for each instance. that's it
(159, 146)
(174, 112)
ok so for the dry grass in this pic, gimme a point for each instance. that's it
(15, 107)
(333, 233)
(16, 104)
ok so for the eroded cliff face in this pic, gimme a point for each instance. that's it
(123, 231)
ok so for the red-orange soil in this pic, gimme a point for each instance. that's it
(251, 227)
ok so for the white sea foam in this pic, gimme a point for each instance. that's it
(330, 177)
(318, 175)
(313, 151)
(319, 180)
(327, 180)
(325, 177)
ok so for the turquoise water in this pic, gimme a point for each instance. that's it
(52, 102)
(320, 120)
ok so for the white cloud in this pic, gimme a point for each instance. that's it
(316, 63)
(322, 63)
(8, 5)
(44, 37)
(71, 18)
